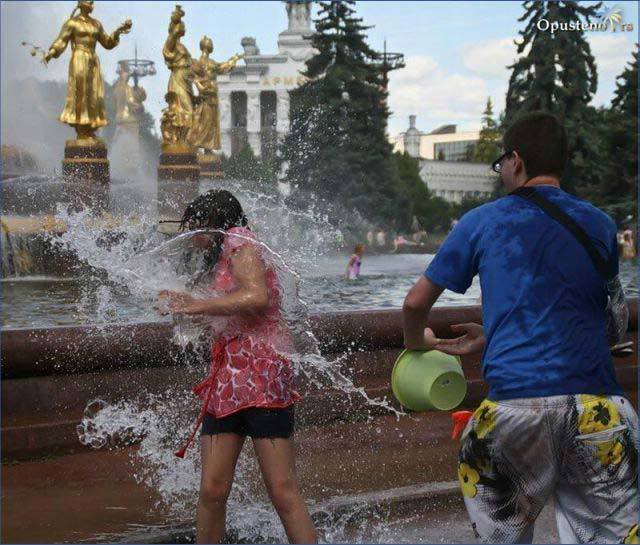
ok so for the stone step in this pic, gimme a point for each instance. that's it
(89, 494)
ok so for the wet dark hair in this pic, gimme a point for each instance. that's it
(217, 209)
(541, 141)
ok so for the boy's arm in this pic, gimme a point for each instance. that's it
(415, 313)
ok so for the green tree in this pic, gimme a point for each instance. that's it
(618, 192)
(469, 153)
(432, 212)
(148, 135)
(337, 147)
(488, 145)
(457, 210)
(244, 165)
(558, 75)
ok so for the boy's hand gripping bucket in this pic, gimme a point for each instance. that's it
(424, 380)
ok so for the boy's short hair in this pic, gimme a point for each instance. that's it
(541, 141)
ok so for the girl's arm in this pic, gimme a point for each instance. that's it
(250, 296)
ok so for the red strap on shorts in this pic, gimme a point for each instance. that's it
(209, 383)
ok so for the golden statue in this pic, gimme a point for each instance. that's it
(178, 60)
(84, 108)
(205, 128)
(127, 99)
(173, 132)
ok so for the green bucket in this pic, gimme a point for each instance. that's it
(425, 380)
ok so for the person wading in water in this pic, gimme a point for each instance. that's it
(249, 391)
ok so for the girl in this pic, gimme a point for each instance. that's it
(249, 389)
(355, 261)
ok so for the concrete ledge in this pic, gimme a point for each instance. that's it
(77, 349)
(51, 374)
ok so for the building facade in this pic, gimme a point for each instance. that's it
(444, 156)
(444, 143)
(254, 97)
(455, 180)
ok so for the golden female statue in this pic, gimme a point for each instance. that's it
(205, 129)
(178, 60)
(85, 109)
(127, 99)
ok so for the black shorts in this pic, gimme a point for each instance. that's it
(253, 422)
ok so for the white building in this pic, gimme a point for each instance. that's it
(444, 143)
(441, 154)
(454, 180)
(254, 97)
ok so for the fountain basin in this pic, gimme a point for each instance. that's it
(50, 374)
(362, 471)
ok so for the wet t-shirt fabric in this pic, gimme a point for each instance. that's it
(543, 302)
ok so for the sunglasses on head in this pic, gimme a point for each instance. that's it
(496, 166)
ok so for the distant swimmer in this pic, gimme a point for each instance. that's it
(355, 261)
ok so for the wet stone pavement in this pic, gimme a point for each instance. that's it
(383, 481)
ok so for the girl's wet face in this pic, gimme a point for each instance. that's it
(202, 241)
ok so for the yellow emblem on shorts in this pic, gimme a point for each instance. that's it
(598, 414)
(610, 452)
(468, 478)
(485, 418)
(632, 536)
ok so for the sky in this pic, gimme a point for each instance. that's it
(456, 52)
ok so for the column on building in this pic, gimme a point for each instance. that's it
(282, 108)
(224, 101)
(239, 115)
(268, 123)
(253, 120)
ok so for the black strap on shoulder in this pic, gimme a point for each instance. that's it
(530, 194)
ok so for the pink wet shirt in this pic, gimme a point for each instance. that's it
(248, 364)
(252, 371)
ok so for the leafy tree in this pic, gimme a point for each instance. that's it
(558, 75)
(432, 212)
(487, 147)
(457, 210)
(618, 192)
(337, 147)
(469, 153)
(244, 165)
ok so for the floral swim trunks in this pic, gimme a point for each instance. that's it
(579, 449)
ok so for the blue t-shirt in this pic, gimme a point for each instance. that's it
(543, 302)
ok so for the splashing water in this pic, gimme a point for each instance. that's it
(128, 253)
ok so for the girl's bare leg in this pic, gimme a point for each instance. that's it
(277, 464)
(219, 456)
